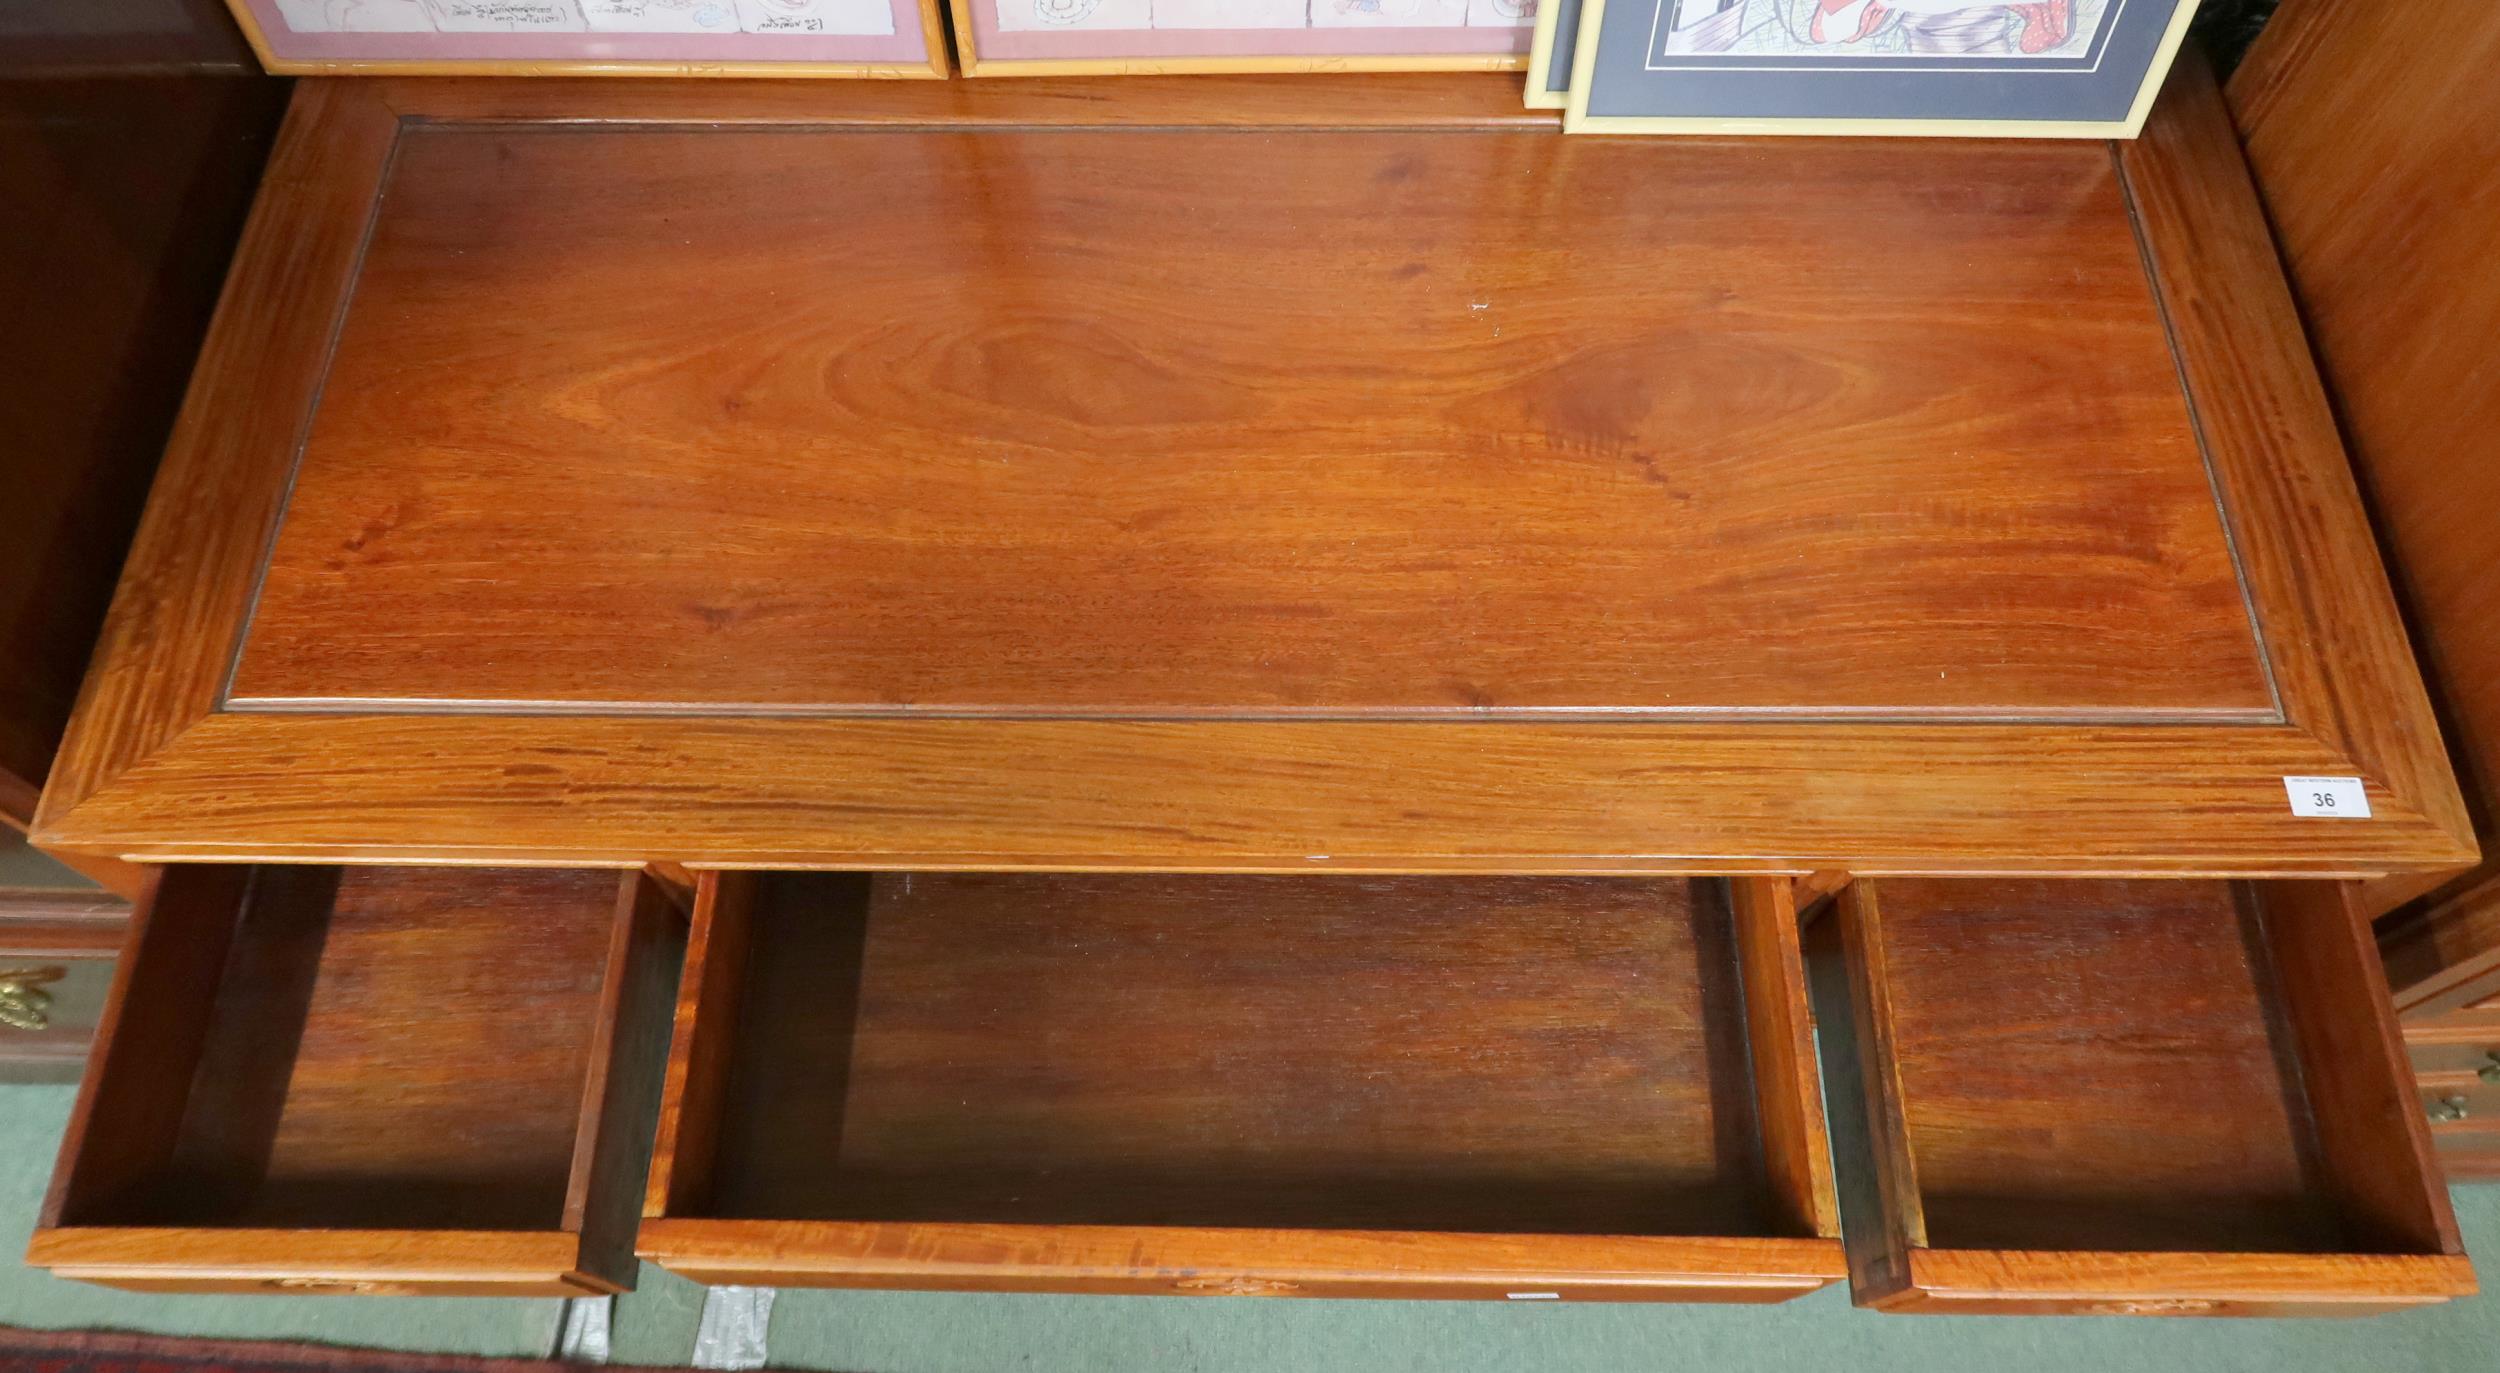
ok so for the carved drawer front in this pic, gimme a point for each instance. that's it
(2125, 1097)
(1496, 1087)
(370, 1080)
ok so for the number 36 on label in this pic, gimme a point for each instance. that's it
(2328, 798)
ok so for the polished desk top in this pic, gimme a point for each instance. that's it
(1245, 474)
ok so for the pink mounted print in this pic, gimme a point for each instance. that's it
(725, 37)
(1005, 37)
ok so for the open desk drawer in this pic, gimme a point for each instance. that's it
(1320, 1086)
(2125, 1097)
(370, 1080)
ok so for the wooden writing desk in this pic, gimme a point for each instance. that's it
(1340, 479)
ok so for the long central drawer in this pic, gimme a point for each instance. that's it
(1419, 1087)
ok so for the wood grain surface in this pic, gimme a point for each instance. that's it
(2098, 1066)
(1489, 1054)
(2070, 1283)
(977, 1080)
(2374, 1147)
(2194, 1091)
(1104, 501)
(1015, 439)
(373, 1056)
(620, 1095)
(1206, 1262)
(344, 980)
(299, 1262)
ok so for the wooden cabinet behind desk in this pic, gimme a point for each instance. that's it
(2375, 140)
(128, 154)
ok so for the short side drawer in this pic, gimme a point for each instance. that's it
(2125, 1098)
(1498, 1087)
(380, 1080)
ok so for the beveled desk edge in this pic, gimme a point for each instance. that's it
(155, 768)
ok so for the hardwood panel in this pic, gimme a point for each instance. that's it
(162, 767)
(2373, 144)
(2311, 566)
(2193, 1090)
(1475, 1055)
(270, 335)
(343, 1065)
(984, 1080)
(448, 1263)
(1197, 1261)
(2097, 1066)
(1015, 439)
(1240, 796)
(2066, 1283)
(148, 1043)
(2374, 1152)
(1779, 1033)
(372, 1056)
(703, 1031)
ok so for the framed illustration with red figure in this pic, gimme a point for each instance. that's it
(2019, 68)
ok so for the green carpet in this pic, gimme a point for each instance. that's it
(878, 1332)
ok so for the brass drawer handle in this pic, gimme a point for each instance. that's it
(1237, 1287)
(2448, 1110)
(2153, 1306)
(24, 1004)
(2490, 1071)
(341, 1286)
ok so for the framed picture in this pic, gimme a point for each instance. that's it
(890, 38)
(1148, 37)
(1999, 68)
(1549, 54)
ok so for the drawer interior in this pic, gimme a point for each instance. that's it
(378, 1048)
(1494, 1055)
(2197, 1070)
(2122, 1081)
